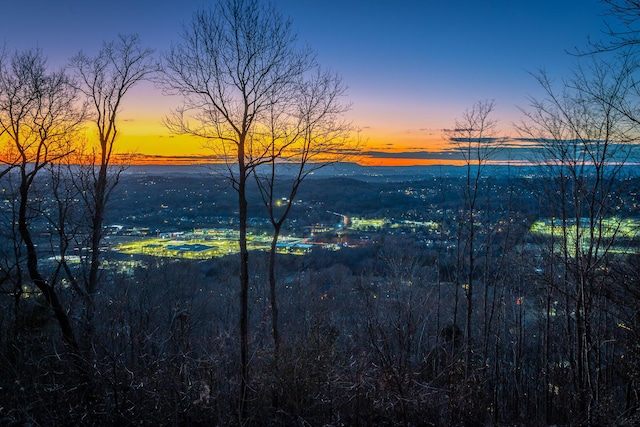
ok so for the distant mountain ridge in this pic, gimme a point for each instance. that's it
(351, 170)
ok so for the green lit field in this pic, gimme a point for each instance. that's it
(188, 249)
(203, 248)
(380, 223)
(610, 230)
(610, 227)
(177, 248)
(367, 224)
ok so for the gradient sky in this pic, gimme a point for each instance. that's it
(412, 67)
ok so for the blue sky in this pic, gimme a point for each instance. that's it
(412, 67)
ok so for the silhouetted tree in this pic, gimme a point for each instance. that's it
(624, 32)
(105, 80)
(306, 135)
(475, 139)
(39, 117)
(585, 140)
(235, 64)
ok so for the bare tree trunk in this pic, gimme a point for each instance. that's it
(244, 295)
(97, 220)
(34, 273)
(39, 117)
(105, 80)
(234, 94)
(469, 293)
(273, 293)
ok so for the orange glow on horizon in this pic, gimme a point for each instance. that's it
(370, 161)
(164, 148)
(403, 141)
(143, 140)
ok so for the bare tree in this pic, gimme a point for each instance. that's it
(11, 268)
(105, 80)
(235, 64)
(624, 32)
(620, 47)
(585, 140)
(306, 136)
(39, 117)
(475, 139)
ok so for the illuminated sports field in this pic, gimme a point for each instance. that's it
(610, 228)
(367, 224)
(203, 248)
(188, 249)
(379, 223)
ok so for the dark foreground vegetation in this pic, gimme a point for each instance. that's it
(373, 334)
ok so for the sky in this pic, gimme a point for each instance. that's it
(411, 67)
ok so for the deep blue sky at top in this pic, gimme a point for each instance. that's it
(412, 67)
